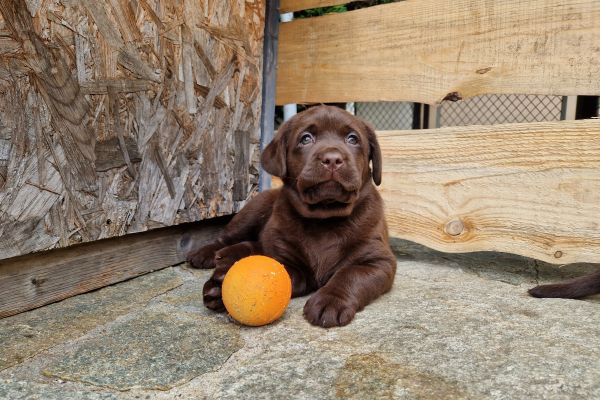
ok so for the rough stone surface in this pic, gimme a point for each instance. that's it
(453, 327)
(154, 350)
(24, 390)
(25, 335)
(370, 375)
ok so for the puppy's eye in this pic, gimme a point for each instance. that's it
(306, 139)
(352, 139)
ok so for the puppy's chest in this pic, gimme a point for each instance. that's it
(323, 250)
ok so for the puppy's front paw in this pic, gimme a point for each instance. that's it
(211, 295)
(204, 258)
(326, 310)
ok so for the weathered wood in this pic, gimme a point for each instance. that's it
(109, 155)
(34, 280)
(124, 111)
(530, 189)
(267, 119)
(297, 5)
(424, 50)
(101, 86)
(241, 164)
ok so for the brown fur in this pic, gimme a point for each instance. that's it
(582, 286)
(325, 225)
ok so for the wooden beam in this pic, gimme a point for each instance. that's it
(529, 189)
(297, 5)
(34, 280)
(424, 50)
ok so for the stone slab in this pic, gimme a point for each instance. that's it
(24, 335)
(25, 390)
(453, 327)
(153, 350)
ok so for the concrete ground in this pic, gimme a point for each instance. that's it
(453, 327)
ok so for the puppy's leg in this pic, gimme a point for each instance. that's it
(302, 281)
(224, 259)
(349, 290)
(573, 289)
(245, 226)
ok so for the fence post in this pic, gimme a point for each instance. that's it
(267, 122)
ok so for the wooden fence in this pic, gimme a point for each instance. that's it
(530, 189)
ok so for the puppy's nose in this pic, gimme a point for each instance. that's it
(332, 160)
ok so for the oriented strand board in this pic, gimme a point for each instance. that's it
(530, 189)
(122, 116)
(426, 50)
(297, 5)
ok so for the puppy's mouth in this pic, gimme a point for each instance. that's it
(328, 195)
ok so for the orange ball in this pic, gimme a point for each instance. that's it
(256, 290)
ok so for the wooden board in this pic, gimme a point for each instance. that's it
(123, 116)
(426, 50)
(297, 5)
(530, 189)
(34, 280)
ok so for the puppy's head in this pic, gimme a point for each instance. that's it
(323, 156)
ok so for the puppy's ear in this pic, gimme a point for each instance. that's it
(374, 153)
(273, 158)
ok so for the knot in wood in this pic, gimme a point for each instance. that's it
(453, 96)
(454, 227)
(558, 254)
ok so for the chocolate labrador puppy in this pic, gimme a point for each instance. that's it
(325, 225)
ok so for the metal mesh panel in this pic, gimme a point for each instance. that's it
(499, 109)
(386, 115)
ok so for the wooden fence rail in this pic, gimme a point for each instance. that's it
(427, 50)
(530, 189)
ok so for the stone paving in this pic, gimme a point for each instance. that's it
(453, 327)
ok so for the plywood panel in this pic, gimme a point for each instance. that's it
(529, 189)
(427, 50)
(118, 116)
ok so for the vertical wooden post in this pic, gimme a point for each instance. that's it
(267, 121)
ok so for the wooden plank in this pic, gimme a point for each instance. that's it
(34, 280)
(424, 50)
(297, 5)
(530, 189)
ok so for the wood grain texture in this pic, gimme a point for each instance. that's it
(34, 280)
(267, 119)
(530, 189)
(118, 117)
(423, 50)
(297, 5)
